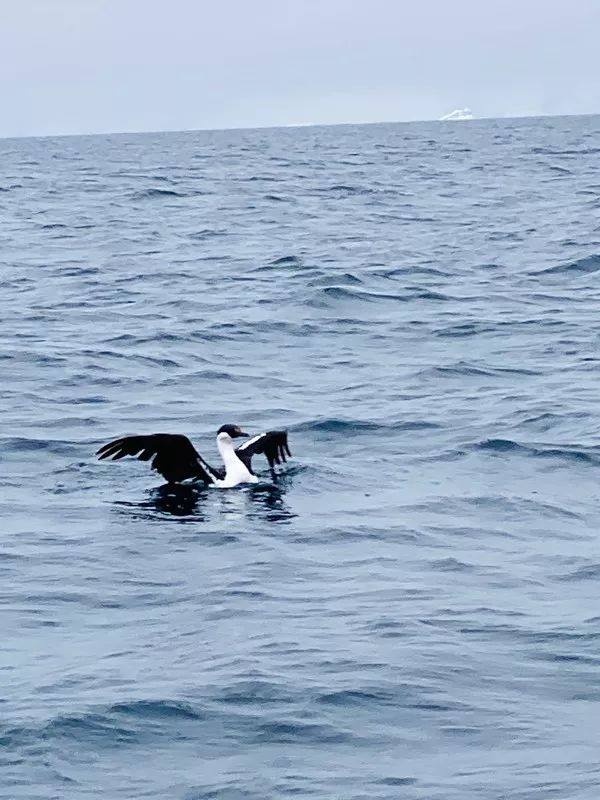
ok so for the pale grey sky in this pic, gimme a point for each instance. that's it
(82, 66)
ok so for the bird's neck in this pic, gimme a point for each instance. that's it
(235, 470)
(227, 451)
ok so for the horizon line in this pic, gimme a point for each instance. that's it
(283, 126)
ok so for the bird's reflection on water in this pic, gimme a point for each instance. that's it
(268, 502)
(261, 502)
(179, 501)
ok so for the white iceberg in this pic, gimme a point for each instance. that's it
(458, 114)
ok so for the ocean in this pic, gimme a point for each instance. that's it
(412, 610)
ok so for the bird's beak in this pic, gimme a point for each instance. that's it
(241, 433)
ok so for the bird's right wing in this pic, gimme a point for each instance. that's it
(273, 444)
(172, 454)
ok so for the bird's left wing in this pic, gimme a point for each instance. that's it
(172, 454)
(273, 444)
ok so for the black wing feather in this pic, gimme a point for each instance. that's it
(174, 456)
(273, 444)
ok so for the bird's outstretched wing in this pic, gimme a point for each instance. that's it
(172, 454)
(274, 445)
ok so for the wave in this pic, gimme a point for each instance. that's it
(341, 426)
(349, 190)
(128, 356)
(585, 265)
(357, 697)
(584, 151)
(284, 731)
(286, 261)
(77, 272)
(20, 444)
(253, 692)
(414, 269)
(260, 178)
(122, 723)
(586, 572)
(333, 280)
(207, 233)
(543, 422)
(463, 368)
(277, 198)
(346, 293)
(157, 193)
(451, 565)
(342, 188)
(130, 338)
(132, 723)
(575, 453)
(465, 329)
(560, 170)
(158, 709)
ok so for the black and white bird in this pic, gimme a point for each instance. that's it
(176, 458)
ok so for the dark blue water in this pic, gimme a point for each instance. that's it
(414, 610)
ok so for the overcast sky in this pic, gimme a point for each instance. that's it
(82, 66)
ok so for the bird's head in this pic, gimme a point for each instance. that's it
(230, 432)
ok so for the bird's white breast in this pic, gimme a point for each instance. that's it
(236, 471)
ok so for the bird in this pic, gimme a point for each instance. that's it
(177, 460)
